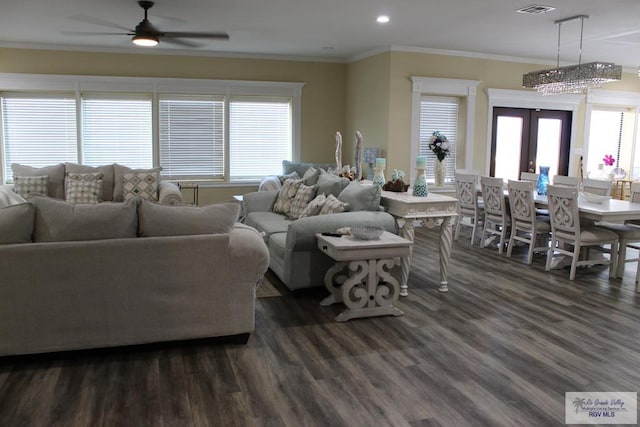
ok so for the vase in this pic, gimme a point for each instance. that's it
(439, 171)
(543, 180)
(420, 185)
(378, 177)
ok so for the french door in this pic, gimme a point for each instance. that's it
(522, 140)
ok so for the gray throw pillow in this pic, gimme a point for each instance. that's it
(301, 167)
(310, 177)
(361, 197)
(16, 223)
(161, 220)
(55, 185)
(59, 221)
(25, 185)
(119, 171)
(331, 184)
(107, 177)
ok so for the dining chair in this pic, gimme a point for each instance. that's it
(566, 181)
(468, 204)
(568, 236)
(529, 176)
(524, 219)
(496, 218)
(596, 186)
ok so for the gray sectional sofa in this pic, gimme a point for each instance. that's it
(89, 276)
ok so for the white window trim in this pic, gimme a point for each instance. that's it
(155, 86)
(443, 87)
(531, 100)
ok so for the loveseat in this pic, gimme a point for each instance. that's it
(294, 256)
(110, 274)
(112, 182)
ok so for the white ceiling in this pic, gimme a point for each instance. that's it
(339, 30)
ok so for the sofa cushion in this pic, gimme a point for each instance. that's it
(331, 184)
(16, 223)
(26, 185)
(361, 197)
(57, 220)
(140, 184)
(267, 222)
(333, 205)
(107, 177)
(83, 188)
(9, 198)
(119, 171)
(314, 206)
(55, 186)
(311, 176)
(304, 195)
(286, 195)
(160, 220)
(301, 167)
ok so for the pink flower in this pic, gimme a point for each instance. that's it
(608, 160)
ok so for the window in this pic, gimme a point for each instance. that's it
(605, 137)
(38, 130)
(439, 114)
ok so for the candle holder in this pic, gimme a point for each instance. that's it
(420, 188)
(378, 176)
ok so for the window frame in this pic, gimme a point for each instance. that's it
(53, 84)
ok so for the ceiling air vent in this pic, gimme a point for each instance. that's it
(536, 9)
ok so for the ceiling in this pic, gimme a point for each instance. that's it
(338, 30)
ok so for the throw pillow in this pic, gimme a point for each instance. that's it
(314, 206)
(9, 197)
(311, 175)
(118, 171)
(160, 220)
(16, 223)
(55, 187)
(332, 205)
(292, 175)
(286, 195)
(25, 185)
(361, 197)
(140, 184)
(83, 187)
(59, 221)
(304, 195)
(107, 177)
(331, 184)
(301, 167)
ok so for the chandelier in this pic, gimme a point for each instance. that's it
(580, 78)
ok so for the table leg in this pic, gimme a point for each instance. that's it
(407, 231)
(446, 239)
(333, 281)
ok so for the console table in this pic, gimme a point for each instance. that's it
(430, 211)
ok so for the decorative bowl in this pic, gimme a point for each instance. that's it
(593, 198)
(366, 232)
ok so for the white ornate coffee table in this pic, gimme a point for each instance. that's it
(368, 289)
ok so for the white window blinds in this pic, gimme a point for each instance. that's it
(439, 114)
(260, 137)
(38, 130)
(192, 137)
(117, 129)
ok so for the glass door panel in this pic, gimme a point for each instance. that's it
(508, 147)
(548, 144)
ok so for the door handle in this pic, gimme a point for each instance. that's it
(532, 168)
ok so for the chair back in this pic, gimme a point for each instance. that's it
(523, 209)
(563, 212)
(466, 191)
(566, 181)
(493, 196)
(529, 176)
(597, 186)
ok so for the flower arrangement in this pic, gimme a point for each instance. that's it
(608, 160)
(439, 144)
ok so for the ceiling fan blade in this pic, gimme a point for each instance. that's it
(93, 33)
(187, 35)
(178, 42)
(97, 21)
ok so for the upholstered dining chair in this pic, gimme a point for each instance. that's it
(568, 236)
(468, 204)
(496, 217)
(596, 186)
(566, 181)
(533, 228)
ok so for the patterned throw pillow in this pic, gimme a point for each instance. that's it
(142, 184)
(25, 185)
(83, 188)
(314, 206)
(286, 195)
(333, 205)
(303, 197)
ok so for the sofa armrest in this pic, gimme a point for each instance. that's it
(301, 234)
(248, 254)
(169, 194)
(259, 201)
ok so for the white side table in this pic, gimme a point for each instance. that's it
(368, 289)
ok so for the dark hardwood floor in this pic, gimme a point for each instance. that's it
(500, 349)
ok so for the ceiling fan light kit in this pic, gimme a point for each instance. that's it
(145, 41)
(576, 79)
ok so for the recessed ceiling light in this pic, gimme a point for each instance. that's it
(382, 19)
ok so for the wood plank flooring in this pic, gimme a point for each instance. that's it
(500, 349)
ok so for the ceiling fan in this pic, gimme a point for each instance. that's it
(147, 35)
